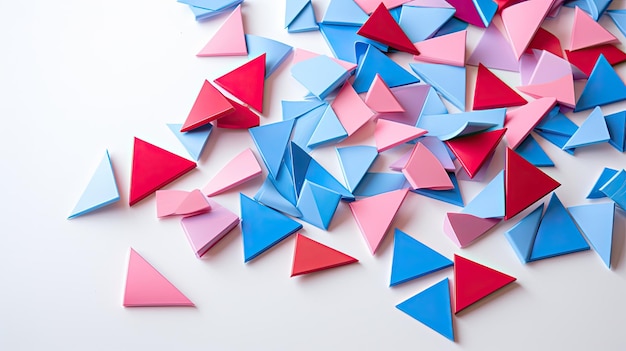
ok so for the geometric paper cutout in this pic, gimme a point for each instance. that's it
(311, 256)
(473, 150)
(246, 82)
(491, 42)
(344, 12)
(209, 105)
(522, 20)
(240, 169)
(101, 190)
(592, 131)
(586, 32)
(317, 204)
(491, 92)
(423, 170)
(616, 123)
(328, 131)
(489, 203)
(351, 110)
(603, 87)
(241, 118)
(229, 40)
(380, 99)
(412, 259)
(271, 141)
(321, 75)
(522, 235)
(463, 229)
(276, 52)
(448, 49)
(452, 196)
(532, 152)
(205, 230)
(382, 27)
(374, 63)
(615, 189)
(476, 12)
(389, 134)
(596, 222)
(448, 80)
(354, 162)
(194, 140)
(585, 59)
(605, 176)
(420, 23)
(521, 121)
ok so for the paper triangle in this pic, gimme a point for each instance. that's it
(489, 203)
(473, 150)
(341, 39)
(305, 20)
(295, 109)
(246, 82)
(451, 196)
(382, 27)
(370, 6)
(432, 308)
(153, 168)
(317, 204)
(269, 196)
(209, 106)
(375, 63)
(522, 235)
(522, 20)
(380, 99)
(603, 87)
(585, 59)
(447, 126)
(544, 40)
(100, 191)
(344, 12)
(587, 32)
(193, 141)
(352, 112)
(167, 201)
(229, 40)
(413, 98)
(271, 142)
(449, 81)
(473, 282)
(305, 126)
(205, 230)
(548, 68)
(301, 55)
(532, 152)
(476, 12)
(193, 204)
(596, 222)
(320, 75)
(616, 123)
(446, 49)
(241, 118)
(424, 171)
(145, 286)
(491, 92)
(293, 8)
(374, 215)
(557, 123)
(374, 183)
(412, 259)
(521, 121)
(592, 131)
(524, 184)
(615, 190)
(463, 229)
(275, 51)
(240, 169)
(420, 23)
(311, 256)
(390, 134)
(328, 131)
(605, 176)
(354, 162)
(433, 104)
(491, 42)
(561, 89)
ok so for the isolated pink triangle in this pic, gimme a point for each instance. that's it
(195, 203)
(463, 228)
(374, 215)
(447, 49)
(145, 286)
(167, 201)
(521, 121)
(301, 55)
(389, 134)
(424, 171)
(229, 40)
(239, 170)
(380, 99)
(586, 32)
(562, 89)
(522, 20)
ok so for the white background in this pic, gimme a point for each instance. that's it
(78, 77)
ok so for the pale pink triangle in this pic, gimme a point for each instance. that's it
(491, 42)
(389, 134)
(195, 203)
(522, 20)
(562, 89)
(463, 228)
(301, 55)
(374, 215)
(521, 121)
(380, 99)
(586, 32)
(351, 111)
(527, 64)
(424, 171)
(167, 201)
(145, 286)
(549, 67)
(239, 170)
(205, 230)
(370, 5)
(430, 3)
(447, 49)
(229, 40)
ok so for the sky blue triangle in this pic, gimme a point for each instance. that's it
(432, 308)
(592, 131)
(320, 176)
(556, 139)
(412, 259)
(194, 140)
(214, 5)
(329, 130)
(300, 161)
(596, 222)
(269, 196)
(271, 141)
(532, 152)
(305, 126)
(452, 26)
(262, 227)
(449, 81)
(293, 8)
(557, 234)
(344, 12)
(320, 75)
(595, 8)
(305, 21)
(202, 14)
(615, 190)
(275, 51)
(452, 196)
(354, 162)
(100, 191)
(616, 123)
(486, 9)
(445, 125)
(295, 109)
(557, 123)
(489, 203)
(433, 104)
(522, 235)
(605, 176)
(421, 23)
(378, 183)
(284, 182)
(375, 62)
(318, 204)
(603, 87)
(341, 40)
(619, 18)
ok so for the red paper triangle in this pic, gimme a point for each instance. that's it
(473, 281)
(153, 168)
(246, 82)
(585, 59)
(311, 256)
(474, 150)
(381, 26)
(492, 92)
(242, 118)
(544, 40)
(210, 105)
(524, 184)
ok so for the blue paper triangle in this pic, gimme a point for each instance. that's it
(320, 176)
(375, 62)
(596, 222)
(342, 39)
(355, 161)
(557, 234)
(595, 8)
(592, 131)
(284, 181)
(378, 183)
(269, 196)
(532, 152)
(100, 191)
(433, 104)
(344, 12)
(295, 109)
(449, 81)
(412, 259)
(452, 196)
(619, 18)
(603, 87)
(262, 227)
(318, 204)
(486, 9)
(305, 21)
(446, 125)
(305, 126)
(320, 75)
(271, 141)
(557, 123)
(432, 308)
(616, 123)
(275, 51)
(522, 235)
(208, 9)
(300, 161)
(557, 139)
(615, 189)
(605, 176)
(193, 141)
(452, 26)
(421, 23)
(329, 130)
(293, 8)
(489, 203)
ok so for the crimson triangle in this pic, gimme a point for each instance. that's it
(153, 168)
(492, 92)
(473, 282)
(209, 105)
(381, 26)
(246, 82)
(473, 150)
(241, 118)
(312, 256)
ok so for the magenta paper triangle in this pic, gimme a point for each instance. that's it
(586, 32)
(424, 171)
(194, 203)
(522, 20)
(167, 201)
(561, 89)
(521, 121)
(380, 99)
(229, 40)
(447, 49)
(389, 134)
(463, 228)
(239, 170)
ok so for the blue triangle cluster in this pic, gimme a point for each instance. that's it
(489, 203)
(532, 152)
(374, 183)
(317, 204)
(329, 130)
(320, 75)
(342, 40)
(355, 161)
(206, 9)
(596, 222)
(615, 189)
(449, 81)
(557, 129)
(298, 108)
(605, 176)
(269, 196)
(412, 259)
(616, 123)
(375, 62)
(100, 191)
(300, 16)
(271, 142)
(275, 52)
(593, 131)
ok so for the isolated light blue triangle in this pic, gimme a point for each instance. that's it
(305, 21)
(342, 39)
(421, 23)
(433, 104)
(293, 8)
(592, 131)
(557, 124)
(596, 222)
(354, 162)
(375, 62)
(522, 235)
(262, 227)
(445, 125)
(615, 189)
(328, 131)
(432, 308)
(452, 196)
(305, 126)
(532, 152)
(296, 109)
(619, 18)
(320, 75)
(557, 234)
(271, 141)
(101, 190)
(489, 203)
(605, 176)
(603, 87)
(318, 204)
(269, 196)
(452, 26)
(412, 259)
(344, 12)
(449, 81)
(275, 51)
(616, 123)
(556, 139)
(193, 141)
(378, 183)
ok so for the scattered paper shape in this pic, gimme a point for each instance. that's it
(587, 32)
(593, 131)
(491, 92)
(193, 204)
(275, 52)
(209, 106)
(596, 223)
(374, 63)
(375, 183)
(424, 171)
(352, 112)
(412, 259)
(328, 131)
(605, 176)
(168, 201)
(344, 12)
(532, 152)
(447, 49)
(320, 75)
(241, 118)
(246, 82)
(312, 256)
(521, 121)
(389, 134)
(382, 27)
(420, 22)
(476, 12)
(299, 16)
(603, 87)
(271, 141)
(490, 201)
(194, 140)
(354, 162)
(239, 170)
(270, 196)
(585, 59)
(615, 189)
(205, 230)
(492, 41)
(451, 196)
(463, 229)
(522, 20)
(229, 40)
(616, 123)
(317, 204)
(100, 191)
(522, 235)
(448, 80)
(473, 150)
(380, 99)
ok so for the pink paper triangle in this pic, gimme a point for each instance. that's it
(195, 203)
(492, 42)
(586, 32)
(380, 99)
(302, 55)
(549, 67)
(167, 201)
(447, 49)
(389, 134)
(145, 286)
(463, 228)
(424, 171)
(351, 111)
(205, 230)
(522, 20)
(239, 170)
(521, 121)
(229, 40)
(562, 89)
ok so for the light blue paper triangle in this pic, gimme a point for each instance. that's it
(318, 204)
(214, 5)
(616, 123)
(284, 182)
(615, 189)
(193, 141)
(445, 125)
(100, 191)
(342, 39)
(452, 26)
(603, 87)
(452, 196)
(596, 222)
(305, 126)
(449, 81)
(486, 9)
(522, 235)
(532, 152)
(329, 130)
(605, 176)
(375, 62)
(592, 131)
(378, 183)
(421, 23)
(305, 21)
(293, 8)
(202, 14)
(320, 75)
(619, 18)
(275, 51)
(271, 141)
(295, 109)
(556, 139)
(344, 12)
(354, 162)
(412, 259)
(557, 123)
(269, 196)
(489, 203)
(433, 104)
